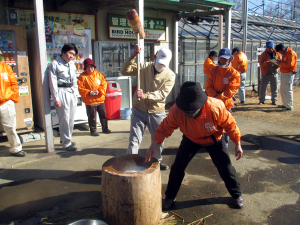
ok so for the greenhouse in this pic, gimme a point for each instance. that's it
(199, 36)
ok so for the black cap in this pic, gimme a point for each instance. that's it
(191, 97)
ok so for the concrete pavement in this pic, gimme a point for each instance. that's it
(62, 187)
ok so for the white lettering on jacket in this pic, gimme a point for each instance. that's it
(4, 76)
(225, 80)
(209, 127)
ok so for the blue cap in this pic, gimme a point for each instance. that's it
(269, 44)
(225, 53)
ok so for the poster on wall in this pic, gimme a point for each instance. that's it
(119, 28)
(81, 21)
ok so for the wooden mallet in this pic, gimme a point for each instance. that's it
(138, 31)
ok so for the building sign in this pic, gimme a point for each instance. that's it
(119, 27)
(86, 21)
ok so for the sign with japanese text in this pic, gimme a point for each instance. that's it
(86, 21)
(119, 27)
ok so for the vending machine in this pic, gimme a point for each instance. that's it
(13, 45)
(56, 36)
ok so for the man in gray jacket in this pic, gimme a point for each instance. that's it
(156, 81)
(62, 77)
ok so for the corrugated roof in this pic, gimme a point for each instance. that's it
(259, 28)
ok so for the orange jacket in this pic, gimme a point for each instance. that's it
(87, 83)
(223, 82)
(213, 120)
(289, 61)
(9, 89)
(208, 65)
(240, 62)
(264, 61)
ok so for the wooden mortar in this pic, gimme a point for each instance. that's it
(131, 198)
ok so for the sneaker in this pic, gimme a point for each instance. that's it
(260, 103)
(274, 103)
(107, 131)
(164, 166)
(167, 203)
(281, 106)
(95, 133)
(239, 202)
(19, 154)
(242, 102)
(72, 143)
(70, 148)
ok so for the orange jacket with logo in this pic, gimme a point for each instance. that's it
(87, 83)
(9, 89)
(289, 61)
(240, 62)
(223, 82)
(208, 65)
(264, 61)
(213, 120)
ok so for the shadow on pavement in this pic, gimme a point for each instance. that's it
(60, 209)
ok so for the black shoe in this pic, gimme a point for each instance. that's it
(274, 103)
(239, 202)
(281, 106)
(95, 133)
(260, 103)
(286, 109)
(19, 154)
(107, 131)
(164, 166)
(242, 102)
(70, 148)
(167, 203)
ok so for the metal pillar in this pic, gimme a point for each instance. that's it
(220, 31)
(42, 67)
(228, 13)
(175, 55)
(245, 24)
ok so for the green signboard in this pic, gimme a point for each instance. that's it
(119, 27)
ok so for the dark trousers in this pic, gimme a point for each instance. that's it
(91, 112)
(220, 157)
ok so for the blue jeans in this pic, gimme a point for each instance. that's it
(226, 137)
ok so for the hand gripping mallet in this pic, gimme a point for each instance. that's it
(138, 31)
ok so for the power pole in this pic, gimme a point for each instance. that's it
(294, 11)
(263, 5)
(245, 24)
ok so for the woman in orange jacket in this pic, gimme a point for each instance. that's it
(92, 88)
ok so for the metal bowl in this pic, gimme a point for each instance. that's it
(88, 222)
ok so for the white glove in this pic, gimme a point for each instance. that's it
(93, 93)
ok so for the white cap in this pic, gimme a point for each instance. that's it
(164, 56)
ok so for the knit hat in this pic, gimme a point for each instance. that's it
(88, 61)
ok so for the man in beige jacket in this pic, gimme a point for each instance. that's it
(156, 81)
